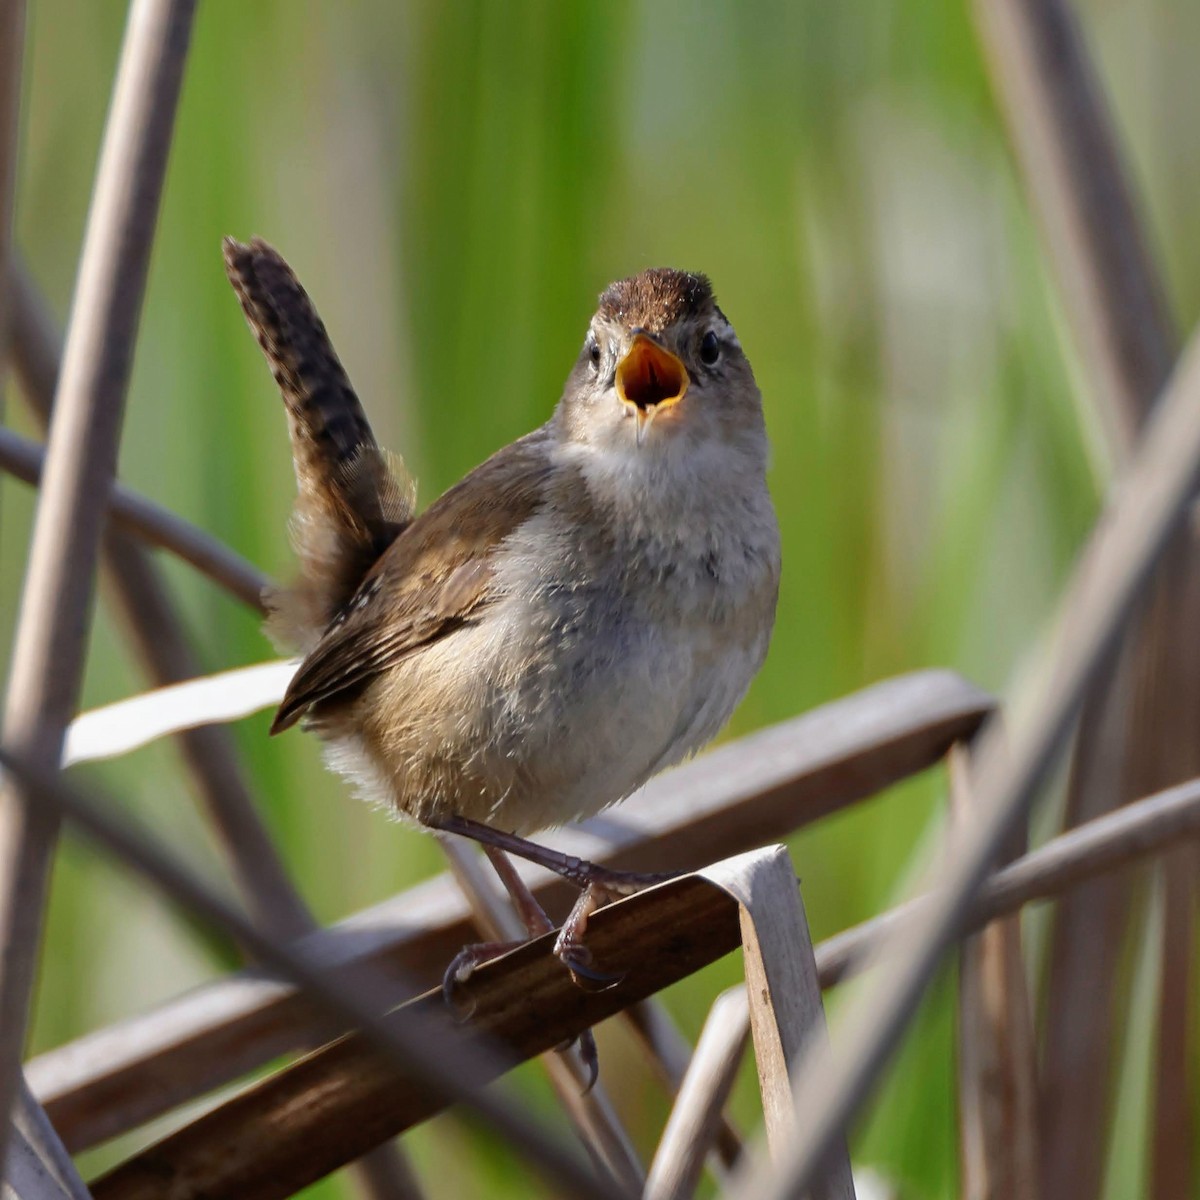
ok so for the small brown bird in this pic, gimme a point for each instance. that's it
(582, 610)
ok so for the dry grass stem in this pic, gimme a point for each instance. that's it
(1137, 728)
(1089, 925)
(756, 789)
(592, 1112)
(26, 1176)
(1124, 836)
(1172, 1127)
(1136, 831)
(446, 1069)
(52, 623)
(671, 1055)
(787, 1019)
(997, 1050)
(1155, 493)
(1064, 137)
(33, 1126)
(695, 1120)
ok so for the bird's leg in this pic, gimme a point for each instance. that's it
(578, 871)
(599, 884)
(537, 923)
(570, 946)
(529, 911)
(533, 915)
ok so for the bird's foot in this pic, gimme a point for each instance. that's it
(537, 923)
(464, 964)
(599, 885)
(573, 951)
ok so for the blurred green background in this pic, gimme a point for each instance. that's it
(454, 182)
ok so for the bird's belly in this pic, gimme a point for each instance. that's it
(616, 707)
(540, 717)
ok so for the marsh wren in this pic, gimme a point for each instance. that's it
(580, 611)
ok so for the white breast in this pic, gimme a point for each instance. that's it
(616, 664)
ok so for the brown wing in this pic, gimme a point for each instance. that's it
(429, 582)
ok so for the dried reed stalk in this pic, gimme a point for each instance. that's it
(36, 1145)
(588, 1107)
(52, 624)
(787, 1019)
(12, 52)
(309, 1118)
(695, 1119)
(649, 1021)
(997, 1050)
(1137, 729)
(756, 789)
(1064, 138)
(26, 1175)
(33, 1126)
(1117, 839)
(673, 1057)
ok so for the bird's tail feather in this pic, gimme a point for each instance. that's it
(351, 500)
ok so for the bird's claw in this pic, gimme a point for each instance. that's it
(577, 958)
(460, 969)
(589, 1056)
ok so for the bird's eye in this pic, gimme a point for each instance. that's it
(710, 349)
(593, 351)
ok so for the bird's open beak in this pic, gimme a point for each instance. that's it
(649, 379)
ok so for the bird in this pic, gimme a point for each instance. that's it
(582, 610)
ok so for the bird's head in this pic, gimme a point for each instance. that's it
(660, 368)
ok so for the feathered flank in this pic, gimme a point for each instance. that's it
(430, 582)
(350, 503)
(657, 298)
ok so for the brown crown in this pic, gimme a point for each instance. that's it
(656, 299)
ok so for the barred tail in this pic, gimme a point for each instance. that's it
(349, 505)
